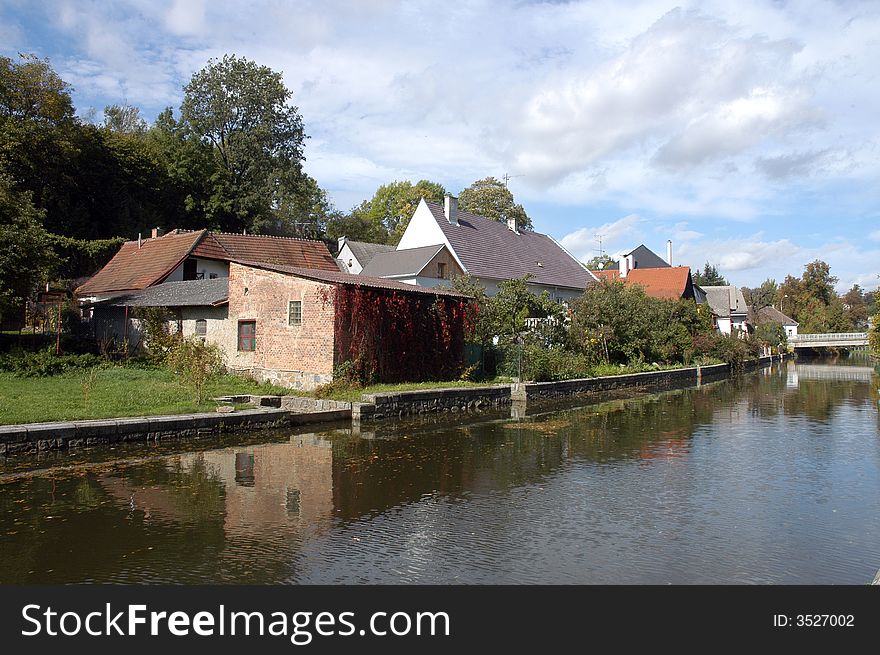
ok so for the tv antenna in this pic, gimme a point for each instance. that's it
(507, 178)
(601, 250)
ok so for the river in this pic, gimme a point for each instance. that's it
(770, 478)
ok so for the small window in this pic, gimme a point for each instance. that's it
(441, 270)
(295, 312)
(201, 327)
(247, 335)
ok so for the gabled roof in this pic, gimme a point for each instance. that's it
(647, 258)
(189, 293)
(770, 314)
(411, 261)
(137, 267)
(670, 282)
(338, 277)
(725, 300)
(278, 250)
(489, 249)
(364, 252)
(140, 266)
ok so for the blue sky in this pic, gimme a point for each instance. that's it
(744, 131)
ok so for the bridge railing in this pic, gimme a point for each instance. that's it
(833, 336)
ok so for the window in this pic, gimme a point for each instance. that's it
(201, 327)
(247, 335)
(441, 270)
(295, 312)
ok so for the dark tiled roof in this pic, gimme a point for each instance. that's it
(277, 250)
(136, 267)
(189, 293)
(771, 315)
(725, 300)
(338, 277)
(401, 262)
(489, 249)
(364, 252)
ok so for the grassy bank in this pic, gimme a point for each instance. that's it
(109, 393)
(129, 391)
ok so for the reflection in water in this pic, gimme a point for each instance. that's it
(774, 477)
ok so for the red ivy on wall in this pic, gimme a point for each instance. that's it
(389, 336)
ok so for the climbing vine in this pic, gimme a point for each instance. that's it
(384, 335)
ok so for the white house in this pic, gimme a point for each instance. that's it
(729, 309)
(489, 251)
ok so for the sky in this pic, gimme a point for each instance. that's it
(746, 132)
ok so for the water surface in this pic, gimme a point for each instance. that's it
(772, 478)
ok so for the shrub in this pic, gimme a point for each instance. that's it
(196, 362)
(44, 363)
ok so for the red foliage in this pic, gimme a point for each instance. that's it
(390, 336)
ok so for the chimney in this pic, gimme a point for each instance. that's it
(624, 266)
(450, 209)
(157, 232)
(139, 240)
(511, 225)
(669, 251)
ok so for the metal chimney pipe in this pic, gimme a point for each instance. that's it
(669, 251)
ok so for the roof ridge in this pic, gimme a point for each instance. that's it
(266, 236)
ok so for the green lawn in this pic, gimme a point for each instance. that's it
(354, 395)
(117, 391)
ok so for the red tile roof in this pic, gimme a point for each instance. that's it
(607, 274)
(670, 282)
(338, 277)
(136, 267)
(301, 253)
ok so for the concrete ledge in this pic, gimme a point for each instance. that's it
(21, 439)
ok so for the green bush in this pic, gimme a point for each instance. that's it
(44, 363)
(196, 362)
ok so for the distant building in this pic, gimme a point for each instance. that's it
(772, 315)
(729, 309)
(353, 256)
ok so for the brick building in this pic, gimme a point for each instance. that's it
(281, 324)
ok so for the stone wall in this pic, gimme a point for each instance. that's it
(34, 437)
(454, 399)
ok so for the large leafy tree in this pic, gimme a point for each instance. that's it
(392, 206)
(813, 302)
(242, 110)
(709, 277)
(26, 255)
(491, 198)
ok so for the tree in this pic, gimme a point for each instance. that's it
(762, 296)
(491, 198)
(393, 204)
(30, 91)
(124, 119)
(241, 109)
(601, 263)
(856, 306)
(26, 255)
(874, 336)
(818, 282)
(709, 277)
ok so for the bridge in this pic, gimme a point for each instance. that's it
(834, 339)
(824, 372)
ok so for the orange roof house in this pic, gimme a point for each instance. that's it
(192, 255)
(670, 283)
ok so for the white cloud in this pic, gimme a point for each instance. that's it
(620, 234)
